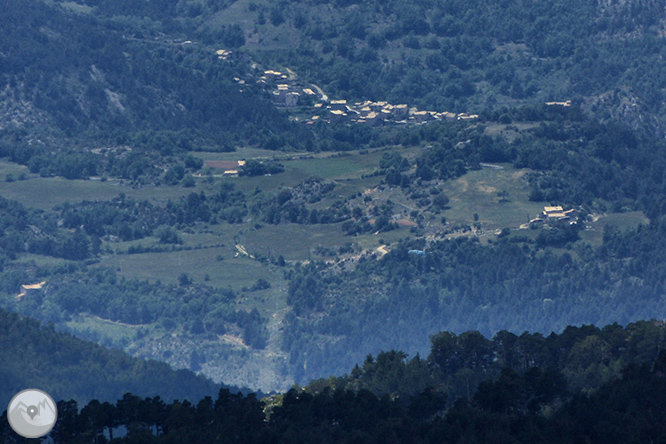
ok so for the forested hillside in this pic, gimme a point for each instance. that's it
(541, 279)
(87, 96)
(462, 55)
(160, 193)
(579, 358)
(597, 385)
(445, 56)
(69, 368)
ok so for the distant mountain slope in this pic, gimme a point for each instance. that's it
(131, 90)
(81, 80)
(584, 385)
(34, 356)
(127, 66)
(117, 73)
(466, 55)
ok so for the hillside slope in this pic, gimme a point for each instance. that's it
(69, 368)
(599, 385)
(467, 55)
(263, 243)
(84, 95)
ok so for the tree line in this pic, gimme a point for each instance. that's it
(528, 405)
(194, 308)
(70, 368)
(457, 285)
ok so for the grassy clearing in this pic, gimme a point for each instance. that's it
(290, 178)
(293, 241)
(43, 261)
(622, 221)
(370, 242)
(526, 233)
(104, 327)
(477, 193)
(45, 193)
(206, 239)
(347, 189)
(243, 154)
(221, 237)
(332, 167)
(235, 13)
(300, 242)
(344, 166)
(348, 168)
(234, 272)
(511, 131)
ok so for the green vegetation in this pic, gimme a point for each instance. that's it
(598, 385)
(579, 359)
(461, 55)
(196, 309)
(38, 356)
(513, 283)
(166, 266)
(241, 233)
(498, 196)
(336, 240)
(100, 120)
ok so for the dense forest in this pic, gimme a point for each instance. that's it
(579, 358)
(403, 296)
(529, 389)
(38, 356)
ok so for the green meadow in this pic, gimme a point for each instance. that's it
(46, 192)
(498, 196)
(238, 255)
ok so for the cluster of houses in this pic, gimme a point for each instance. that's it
(376, 113)
(554, 214)
(565, 104)
(225, 54)
(288, 93)
(285, 92)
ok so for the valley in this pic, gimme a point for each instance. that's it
(424, 207)
(482, 203)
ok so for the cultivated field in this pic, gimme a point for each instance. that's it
(238, 255)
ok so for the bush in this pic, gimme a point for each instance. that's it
(167, 235)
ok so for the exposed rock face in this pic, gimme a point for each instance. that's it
(224, 358)
(625, 106)
(17, 112)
